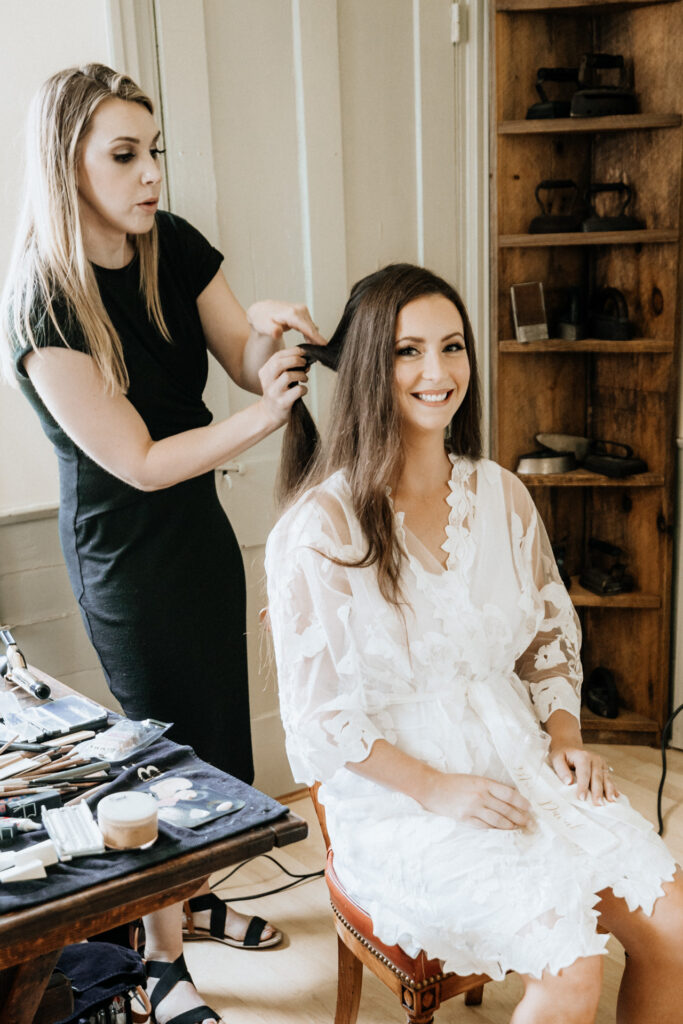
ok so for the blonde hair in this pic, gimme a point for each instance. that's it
(49, 266)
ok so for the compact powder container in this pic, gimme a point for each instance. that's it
(128, 820)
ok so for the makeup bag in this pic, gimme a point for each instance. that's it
(108, 984)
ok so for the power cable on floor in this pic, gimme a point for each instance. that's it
(666, 732)
(299, 879)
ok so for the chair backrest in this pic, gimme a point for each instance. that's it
(320, 811)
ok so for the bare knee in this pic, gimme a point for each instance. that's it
(570, 997)
(658, 935)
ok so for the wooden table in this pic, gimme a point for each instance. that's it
(32, 939)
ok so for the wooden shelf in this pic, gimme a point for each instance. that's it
(646, 236)
(584, 478)
(582, 125)
(594, 383)
(635, 728)
(637, 346)
(582, 598)
(589, 6)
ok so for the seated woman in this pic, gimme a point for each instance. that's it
(428, 662)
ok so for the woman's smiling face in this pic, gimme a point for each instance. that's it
(431, 366)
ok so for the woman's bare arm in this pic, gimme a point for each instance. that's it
(243, 341)
(109, 429)
(480, 802)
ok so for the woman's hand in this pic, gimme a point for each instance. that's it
(477, 801)
(591, 771)
(283, 380)
(271, 319)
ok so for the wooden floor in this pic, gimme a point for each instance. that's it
(297, 983)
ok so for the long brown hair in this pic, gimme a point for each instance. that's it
(364, 434)
(49, 267)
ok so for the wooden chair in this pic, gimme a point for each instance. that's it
(419, 982)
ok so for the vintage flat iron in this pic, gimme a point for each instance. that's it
(605, 571)
(610, 458)
(546, 108)
(621, 221)
(550, 223)
(609, 316)
(594, 97)
(601, 693)
(560, 552)
(613, 459)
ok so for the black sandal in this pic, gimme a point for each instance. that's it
(169, 974)
(216, 929)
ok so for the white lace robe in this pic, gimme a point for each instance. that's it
(488, 650)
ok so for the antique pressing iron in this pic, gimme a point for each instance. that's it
(609, 316)
(546, 108)
(610, 458)
(605, 571)
(613, 459)
(550, 223)
(601, 693)
(620, 221)
(596, 99)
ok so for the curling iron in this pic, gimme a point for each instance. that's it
(13, 667)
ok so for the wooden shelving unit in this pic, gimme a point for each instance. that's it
(627, 727)
(582, 598)
(582, 478)
(577, 6)
(583, 125)
(588, 238)
(615, 348)
(616, 390)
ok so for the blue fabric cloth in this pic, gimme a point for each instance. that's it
(98, 971)
(63, 879)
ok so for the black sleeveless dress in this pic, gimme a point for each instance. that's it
(159, 576)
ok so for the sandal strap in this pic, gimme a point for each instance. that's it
(253, 934)
(169, 974)
(219, 912)
(196, 1016)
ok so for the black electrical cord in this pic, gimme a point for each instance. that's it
(298, 879)
(666, 731)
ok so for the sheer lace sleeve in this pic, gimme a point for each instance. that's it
(321, 674)
(550, 666)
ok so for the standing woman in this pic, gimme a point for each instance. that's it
(107, 315)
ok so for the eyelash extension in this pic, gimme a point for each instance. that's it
(157, 152)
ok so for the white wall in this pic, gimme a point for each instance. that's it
(37, 37)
